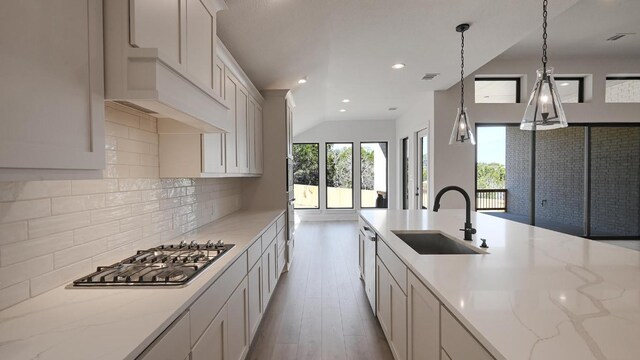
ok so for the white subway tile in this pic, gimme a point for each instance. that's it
(144, 171)
(117, 130)
(134, 184)
(59, 277)
(14, 294)
(149, 242)
(155, 194)
(162, 215)
(116, 171)
(29, 190)
(13, 232)
(24, 210)
(121, 117)
(76, 253)
(110, 143)
(29, 249)
(94, 232)
(122, 198)
(69, 204)
(133, 222)
(144, 136)
(25, 270)
(153, 149)
(186, 200)
(176, 192)
(156, 228)
(85, 187)
(110, 214)
(148, 124)
(58, 223)
(145, 207)
(123, 238)
(122, 158)
(149, 160)
(169, 203)
(133, 146)
(112, 256)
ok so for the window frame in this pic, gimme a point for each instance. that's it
(326, 187)
(623, 77)
(387, 173)
(579, 79)
(516, 79)
(318, 161)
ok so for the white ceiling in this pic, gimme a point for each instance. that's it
(583, 29)
(346, 48)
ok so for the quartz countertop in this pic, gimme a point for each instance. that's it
(107, 323)
(538, 294)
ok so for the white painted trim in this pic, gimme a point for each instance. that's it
(231, 63)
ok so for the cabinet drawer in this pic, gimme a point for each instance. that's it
(458, 343)
(396, 267)
(172, 344)
(210, 303)
(268, 236)
(254, 253)
(281, 240)
(281, 261)
(280, 222)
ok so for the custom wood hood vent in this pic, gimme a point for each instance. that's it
(160, 58)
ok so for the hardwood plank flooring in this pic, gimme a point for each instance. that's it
(319, 310)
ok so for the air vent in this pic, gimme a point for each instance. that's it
(135, 107)
(393, 108)
(429, 76)
(619, 36)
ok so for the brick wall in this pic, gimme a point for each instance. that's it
(52, 232)
(627, 91)
(518, 153)
(615, 181)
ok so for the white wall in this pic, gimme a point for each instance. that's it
(356, 132)
(454, 165)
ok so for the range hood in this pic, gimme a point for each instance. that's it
(165, 74)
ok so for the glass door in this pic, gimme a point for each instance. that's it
(405, 173)
(423, 169)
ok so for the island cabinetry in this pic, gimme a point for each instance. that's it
(392, 308)
(457, 342)
(423, 321)
(172, 344)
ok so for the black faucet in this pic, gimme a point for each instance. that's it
(468, 227)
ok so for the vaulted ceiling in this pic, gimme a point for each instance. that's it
(346, 48)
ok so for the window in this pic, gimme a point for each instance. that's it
(623, 89)
(491, 168)
(373, 175)
(306, 176)
(571, 89)
(423, 168)
(339, 175)
(497, 90)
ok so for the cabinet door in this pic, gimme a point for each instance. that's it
(361, 239)
(201, 32)
(289, 125)
(251, 135)
(231, 153)
(213, 343)
(423, 320)
(369, 253)
(213, 153)
(255, 298)
(52, 103)
(392, 311)
(238, 322)
(158, 24)
(275, 273)
(259, 141)
(218, 79)
(268, 266)
(242, 133)
(173, 344)
(457, 342)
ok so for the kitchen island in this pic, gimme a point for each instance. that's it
(536, 294)
(156, 323)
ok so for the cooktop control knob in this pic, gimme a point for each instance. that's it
(193, 244)
(209, 244)
(220, 244)
(183, 243)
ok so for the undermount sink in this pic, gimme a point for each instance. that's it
(433, 243)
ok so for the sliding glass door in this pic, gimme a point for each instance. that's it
(423, 168)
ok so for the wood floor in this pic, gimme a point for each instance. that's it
(319, 309)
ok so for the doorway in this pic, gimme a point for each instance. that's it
(405, 173)
(423, 169)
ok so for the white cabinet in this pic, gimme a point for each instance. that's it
(255, 298)
(392, 311)
(172, 344)
(238, 322)
(269, 275)
(257, 141)
(213, 345)
(423, 321)
(52, 102)
(457, 342)
(369, 264)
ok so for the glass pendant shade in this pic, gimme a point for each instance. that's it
(544, 110)
(462, 129)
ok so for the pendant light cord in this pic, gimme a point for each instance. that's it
(544, 35)
(462, 72)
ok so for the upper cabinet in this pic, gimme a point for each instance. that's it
(51, 102)
(160, 58)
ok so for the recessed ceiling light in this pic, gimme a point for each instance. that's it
(346, 100)
(397, 66)
(343, 110)
(564, 84)
(302, 81)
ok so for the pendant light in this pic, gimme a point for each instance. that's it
(462, 128)
(544, 110)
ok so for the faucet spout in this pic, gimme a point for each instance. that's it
(468, 227)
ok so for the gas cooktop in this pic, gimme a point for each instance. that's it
(165, 265)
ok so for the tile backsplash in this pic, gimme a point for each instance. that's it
(52, 232)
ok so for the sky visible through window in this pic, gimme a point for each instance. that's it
(492, 144)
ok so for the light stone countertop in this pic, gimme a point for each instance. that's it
(107, 323)
(538, 294)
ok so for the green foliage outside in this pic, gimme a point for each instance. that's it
(305, 164)
(366, 168)
(339, 166)
(491, 176)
